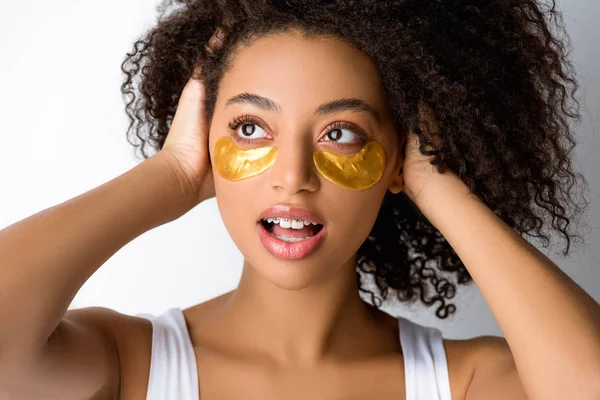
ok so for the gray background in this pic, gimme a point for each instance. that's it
(64, 133)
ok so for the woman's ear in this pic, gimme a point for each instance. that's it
(397, 182)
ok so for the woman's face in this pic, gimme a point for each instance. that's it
(298, 75)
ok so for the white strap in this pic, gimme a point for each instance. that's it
(425, 363)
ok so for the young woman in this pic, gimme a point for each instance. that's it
(413, 142)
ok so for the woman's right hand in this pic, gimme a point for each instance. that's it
(186, 145)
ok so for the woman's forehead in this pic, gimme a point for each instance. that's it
(300, 71)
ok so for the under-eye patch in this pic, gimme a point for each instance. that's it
(358, 172)
(235, 164)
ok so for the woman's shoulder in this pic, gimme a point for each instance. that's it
(132, 337)
(462, 355)
(465, 355)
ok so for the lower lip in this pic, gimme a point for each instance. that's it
(288, 250)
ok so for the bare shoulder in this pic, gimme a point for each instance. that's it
(482, 367)
(125, 339)
(133, 340)
(81, 359)
(461, 365)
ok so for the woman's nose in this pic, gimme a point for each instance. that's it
(293, 169)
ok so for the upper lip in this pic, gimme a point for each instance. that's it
(291, 212)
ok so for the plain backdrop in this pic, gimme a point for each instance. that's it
(63, 133)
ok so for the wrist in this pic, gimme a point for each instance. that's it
(174, 184)
(440, 193)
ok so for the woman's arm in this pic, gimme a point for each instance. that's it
(551, 325)
(47, 257)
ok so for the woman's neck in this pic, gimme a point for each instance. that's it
(304, 326)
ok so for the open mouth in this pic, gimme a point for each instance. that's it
(290, 238)
(293, 233)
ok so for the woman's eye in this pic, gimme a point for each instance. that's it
(340, 135)
(247, 130)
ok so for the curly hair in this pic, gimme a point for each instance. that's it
(495, 73)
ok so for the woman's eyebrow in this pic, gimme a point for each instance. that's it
(342, 104)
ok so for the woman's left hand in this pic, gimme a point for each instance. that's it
(418, 173)
(416, 170)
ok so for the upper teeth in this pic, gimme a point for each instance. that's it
(289, 223)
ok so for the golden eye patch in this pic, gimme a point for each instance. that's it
(357, 172)
(235, 164)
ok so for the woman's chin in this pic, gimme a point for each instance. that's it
(288, 274)
(292, 275)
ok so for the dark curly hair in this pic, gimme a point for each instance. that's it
(495, 73)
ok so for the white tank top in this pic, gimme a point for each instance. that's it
(174, 373)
